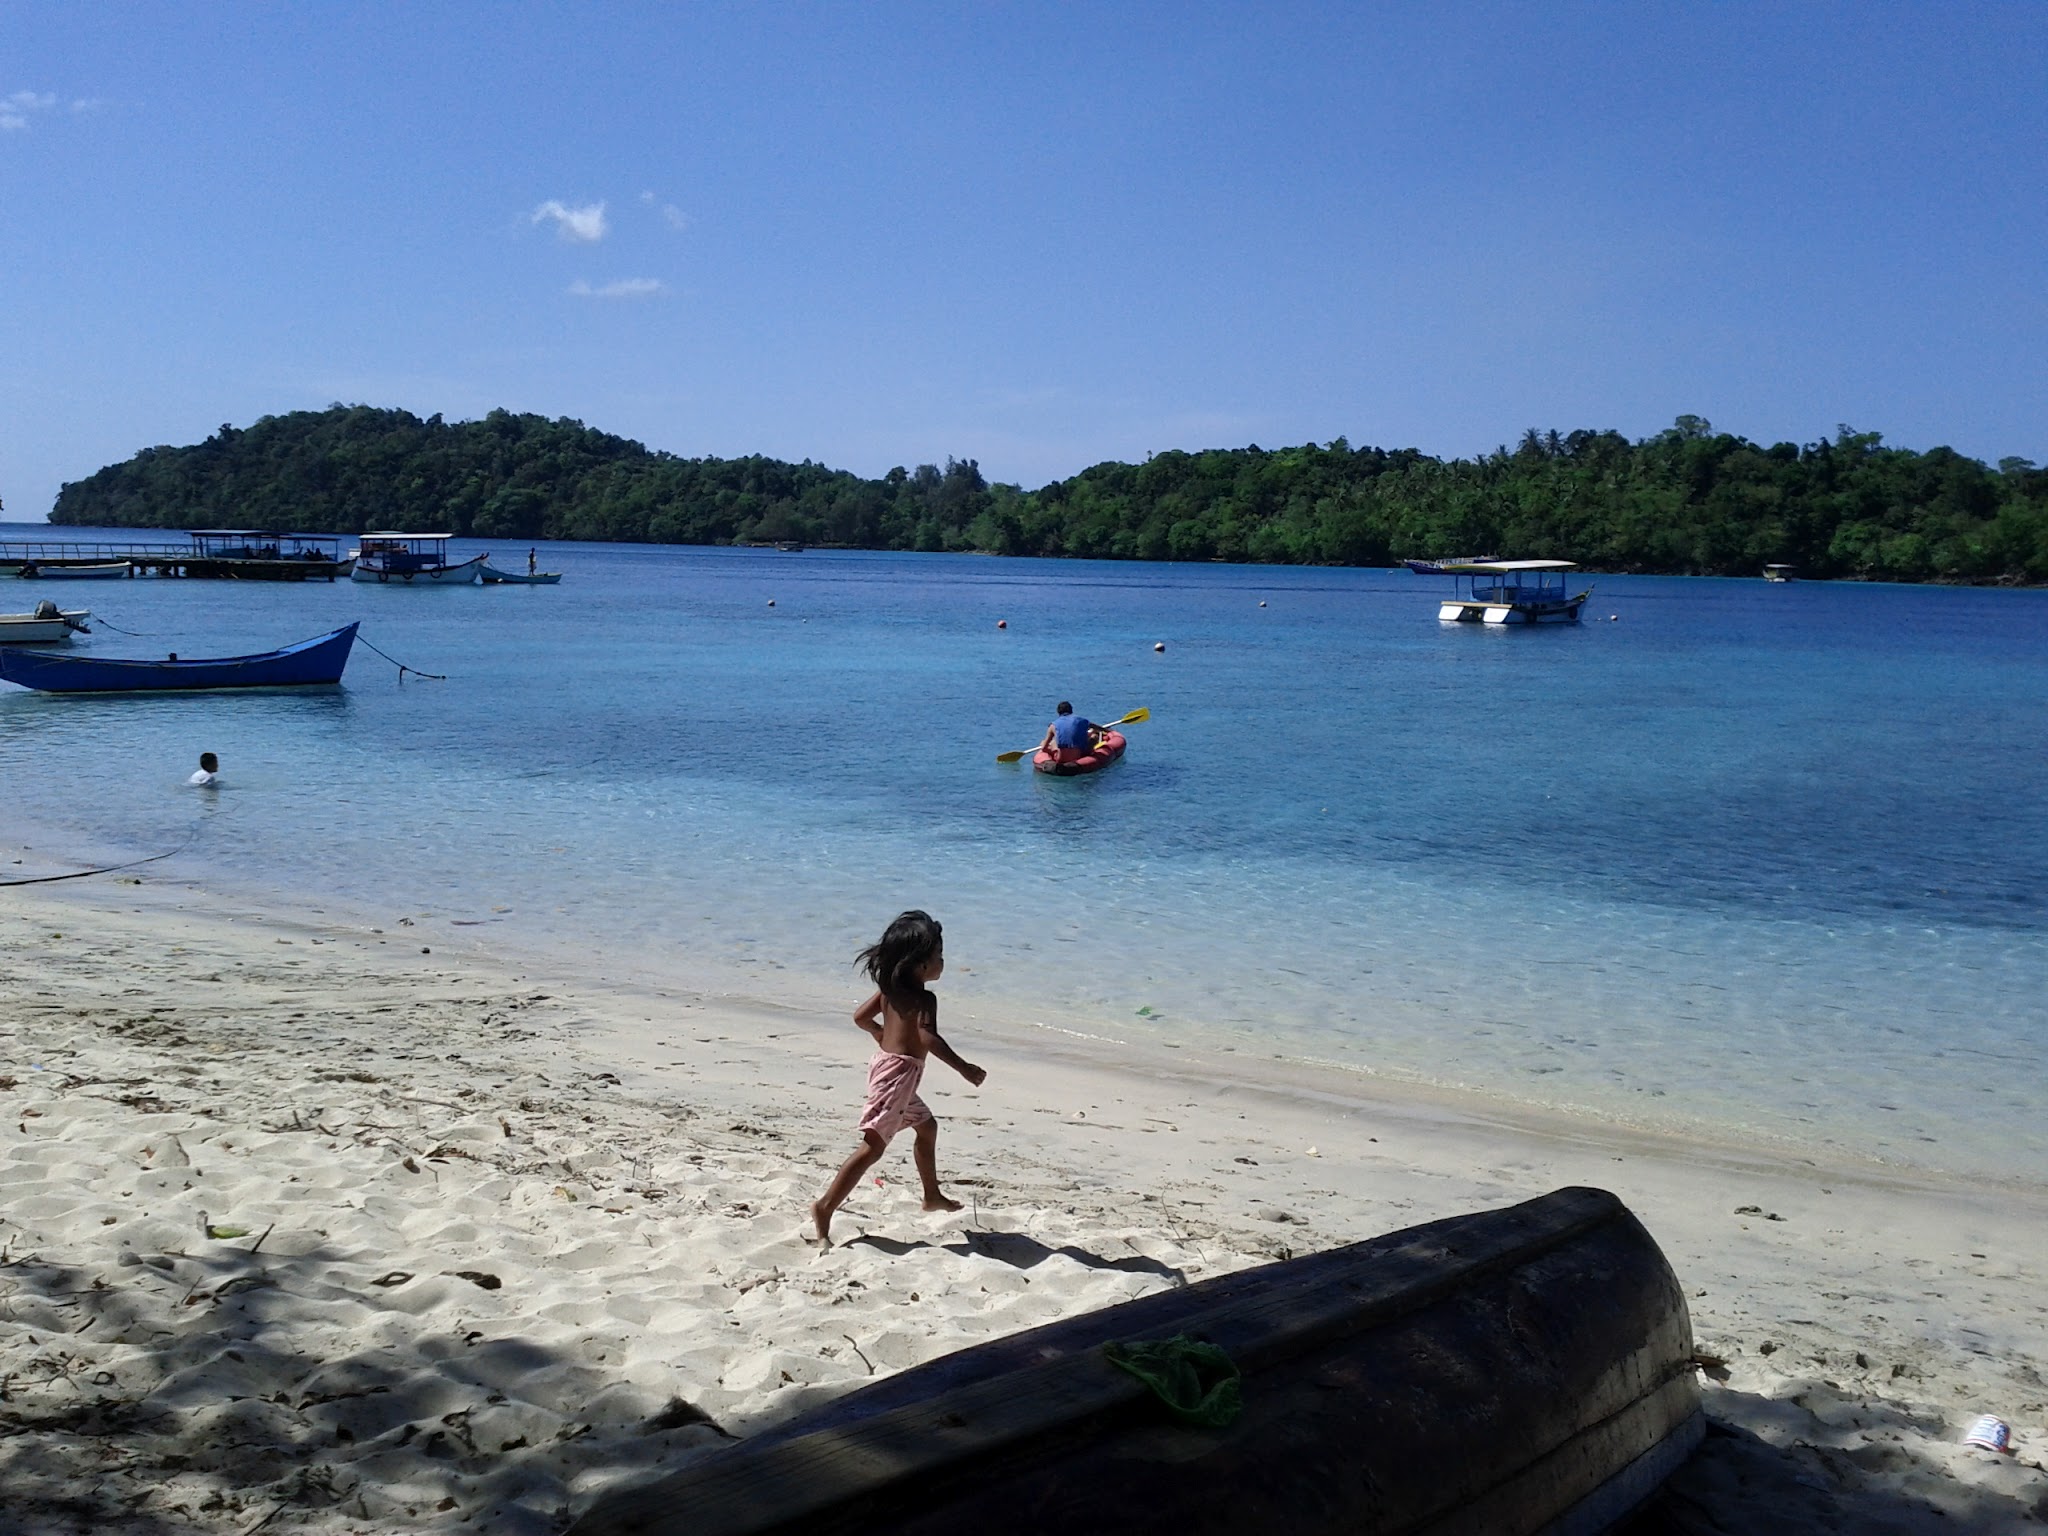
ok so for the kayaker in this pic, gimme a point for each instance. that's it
(1070, 736)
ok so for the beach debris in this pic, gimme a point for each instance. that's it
(1757, 1210)
(1989, 1433)
(221, 1233)
(393, 1277)
(476, 1277)
(679, 1413)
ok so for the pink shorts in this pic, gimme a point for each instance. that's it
(892, 1094)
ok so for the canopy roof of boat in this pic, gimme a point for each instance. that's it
(414, 536)
(261, 533)
(1489, 567)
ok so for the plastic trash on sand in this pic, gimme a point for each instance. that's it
(1990, 1434)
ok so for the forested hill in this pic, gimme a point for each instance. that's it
(1688, 500)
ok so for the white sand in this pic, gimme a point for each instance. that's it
(301, 1228)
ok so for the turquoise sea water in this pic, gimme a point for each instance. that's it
(1761, 860)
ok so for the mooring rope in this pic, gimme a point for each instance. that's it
(402, 667)
(100, 618)
(80, 874)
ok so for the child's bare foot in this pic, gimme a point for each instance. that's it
(941, 1203)
(821, 1218)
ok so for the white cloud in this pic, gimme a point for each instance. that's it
(673, 216)
(585, 223)
(622, 288)
(15, 109)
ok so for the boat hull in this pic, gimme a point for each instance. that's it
(36, 571)
(1519, 1371)
(371, 569)
(1469, 610)
(497, 578)
(268, 570)
(314, 663)
(1112, 749)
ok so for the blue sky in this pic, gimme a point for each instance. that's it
(1034, 235)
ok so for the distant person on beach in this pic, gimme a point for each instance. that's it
(1070, 735)
(903, 1016)
(208, 776)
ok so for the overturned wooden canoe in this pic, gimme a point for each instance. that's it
(1517, 1371)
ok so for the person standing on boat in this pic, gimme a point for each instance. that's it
(1070, 736)
(208, 776)
(532, 565)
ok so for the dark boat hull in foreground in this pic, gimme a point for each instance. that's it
(309, 664)
(1520, 1371)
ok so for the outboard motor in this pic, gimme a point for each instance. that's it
(47, 610)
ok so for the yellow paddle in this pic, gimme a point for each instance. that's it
(1131, 719)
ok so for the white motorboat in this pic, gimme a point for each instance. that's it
(412, 559)
(48, 625)
(103, 570)
(1779, 572)
(1512, 592)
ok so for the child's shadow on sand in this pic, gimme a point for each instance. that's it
(1021, 1251)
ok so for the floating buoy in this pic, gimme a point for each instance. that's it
(1002, 623)
(1262, 602)
(771, 602)
(1160, 646)
(1614, 618)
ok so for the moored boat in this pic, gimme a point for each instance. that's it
(258, 554)
(413, 559)
(1438, 567)
(46, 625)
(493, 577)
(1111, 748)
(1515, 1371)
(103, 570)
(1512, 592)
(1780, 572)
(311, 663)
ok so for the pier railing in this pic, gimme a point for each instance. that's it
(12, 550)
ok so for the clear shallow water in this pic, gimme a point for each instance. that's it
(1760, 859)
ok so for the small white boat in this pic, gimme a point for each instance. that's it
(101, 571)
(1779, 572)
(1512, 592)
(412, 559)
(47, 625)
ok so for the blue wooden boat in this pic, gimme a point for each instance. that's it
(313, 663)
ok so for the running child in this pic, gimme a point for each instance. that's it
(903, 1016)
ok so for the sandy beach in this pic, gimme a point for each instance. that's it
(332, 1227)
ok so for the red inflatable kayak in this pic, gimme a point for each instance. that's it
(1111, 749)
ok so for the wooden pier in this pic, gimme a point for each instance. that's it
(204, 556)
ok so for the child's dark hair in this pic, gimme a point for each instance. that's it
(913, 938)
